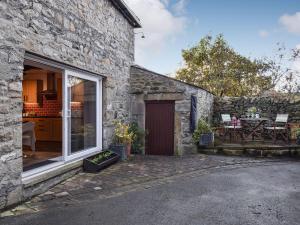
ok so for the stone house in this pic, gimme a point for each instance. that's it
(65, 76)
(61, 51)
(166, 101)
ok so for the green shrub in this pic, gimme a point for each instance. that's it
(202, 128)
(137, 145)
(102, 156)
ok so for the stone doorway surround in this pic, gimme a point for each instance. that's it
(138, 111)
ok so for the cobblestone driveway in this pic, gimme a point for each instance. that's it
(139, 172)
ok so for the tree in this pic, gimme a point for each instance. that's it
(284, 70)
(215, 66)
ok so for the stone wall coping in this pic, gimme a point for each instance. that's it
(167, 77)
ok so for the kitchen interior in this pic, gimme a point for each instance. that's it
(42, 116)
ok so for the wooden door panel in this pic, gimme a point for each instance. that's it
(160, 127)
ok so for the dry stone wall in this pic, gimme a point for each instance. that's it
(91, 35)
(268, 105)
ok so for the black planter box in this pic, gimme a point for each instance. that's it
(90, 167)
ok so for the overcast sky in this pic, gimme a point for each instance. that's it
(252, 27)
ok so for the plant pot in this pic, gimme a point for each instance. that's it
(206, 139)
(128, 149)
(298, 140)
(92, 167)
(120, 149)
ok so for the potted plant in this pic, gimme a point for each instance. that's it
(298, 136)
(122, 139)
(252, 110)
(203, 135)
(100, 161)
(138, 141)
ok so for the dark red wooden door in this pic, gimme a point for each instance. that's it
(160, 127)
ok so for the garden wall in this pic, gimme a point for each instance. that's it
(268, 105)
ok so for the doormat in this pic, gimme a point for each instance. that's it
(36, 165)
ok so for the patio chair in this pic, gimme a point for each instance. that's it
(279, 128)
(229, 129)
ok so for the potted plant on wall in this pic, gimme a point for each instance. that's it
(203, 135)
(252, 111)
(122, 139)
(100, 161)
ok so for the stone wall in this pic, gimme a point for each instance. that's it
(91, 35)
(268, 105)
(147, 85)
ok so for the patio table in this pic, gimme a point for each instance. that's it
(254, 130)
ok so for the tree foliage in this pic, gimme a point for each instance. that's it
(284, 71)
(215, 66)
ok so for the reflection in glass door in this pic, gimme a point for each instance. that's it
(82, 103)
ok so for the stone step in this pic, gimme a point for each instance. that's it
(256, 151)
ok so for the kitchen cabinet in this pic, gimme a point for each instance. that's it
(59, 89)
(29, 91)
(47, 129)
(56, 129)
(43, 129)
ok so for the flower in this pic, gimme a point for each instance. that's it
(122, 134)
(252, 109)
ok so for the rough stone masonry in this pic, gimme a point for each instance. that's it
(89, 34)
(267, 105)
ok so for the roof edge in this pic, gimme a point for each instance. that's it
(127, 13)
(147, 70)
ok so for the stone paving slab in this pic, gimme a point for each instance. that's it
(137, 173)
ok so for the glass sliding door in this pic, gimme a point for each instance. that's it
(73, 130)
(83, 114)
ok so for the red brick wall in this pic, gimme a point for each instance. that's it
(50, 108)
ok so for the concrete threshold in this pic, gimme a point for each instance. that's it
(49, 174)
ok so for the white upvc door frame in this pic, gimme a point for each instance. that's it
(67, 114)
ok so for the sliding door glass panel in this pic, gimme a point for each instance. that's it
(82, 102)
